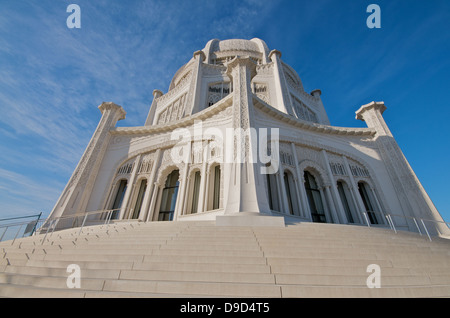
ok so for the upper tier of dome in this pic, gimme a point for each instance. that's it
(216, 49)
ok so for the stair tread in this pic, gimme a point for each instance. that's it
(198, 259)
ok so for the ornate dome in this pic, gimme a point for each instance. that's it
(216, 50)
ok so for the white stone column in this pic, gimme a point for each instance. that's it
(203, 189)
(297, 194)
(283, 98)
(245, 202)
(403, 178)
(308, 214)
(305, 211)
(150, 185)
(380, 210)
(153, 208)
(78, 190)
(151, 114)
(192, 104)
(336, 200)
(182, 188)
(242, 194)
(331, 204)
(207, 188)
(283, 197)
(359, 218)
(328, 215)
(280, 192)
(126, 208)
(361, 209)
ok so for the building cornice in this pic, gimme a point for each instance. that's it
(184, 122)
(332, 130)
(376, 105)
(259, 104)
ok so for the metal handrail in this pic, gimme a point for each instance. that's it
(388, 217)
(49, 225)
(105, 216)
(34, 223)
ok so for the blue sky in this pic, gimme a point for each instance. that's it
(52, 78)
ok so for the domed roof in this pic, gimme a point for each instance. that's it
(254, 47)
(235, 45)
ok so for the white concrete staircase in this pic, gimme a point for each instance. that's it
(199, 259)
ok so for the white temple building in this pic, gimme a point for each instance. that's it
(237, 139)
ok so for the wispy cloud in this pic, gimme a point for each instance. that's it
(53, 78)
(19, 194)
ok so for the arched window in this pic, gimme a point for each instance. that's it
(216, 188)
(117, 204)
(217, 91)
(169, 197)
(343, 191)
(272, 191)
(362, 188)
(195, 192)
(139, 199)
(314, 198)
(289, 185)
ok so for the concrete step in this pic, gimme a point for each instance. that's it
(297, 291)
(349, 280)
(25, 291)
(199, 289)
(49, 281)
(74, 258)
(184, 259)
(340, 270)
(208, 252)
(327, 262)
(195, 246)
(321, 255)
(62, 272)
(102, 265)
(196, 276)
(203, 267)
(205, 259)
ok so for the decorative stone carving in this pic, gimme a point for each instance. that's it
(249, 88)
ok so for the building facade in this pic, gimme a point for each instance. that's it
(238, 140)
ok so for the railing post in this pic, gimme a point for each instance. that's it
(17, 233)
(425, 229)
(389, 222)
(46, 232)
(35, 225)
(54, 227)
(392, 222)
(367, 219)
(417, 225)
(109, 217)
(82, 224)
(4, 232)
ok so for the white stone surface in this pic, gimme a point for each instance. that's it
(250, 87)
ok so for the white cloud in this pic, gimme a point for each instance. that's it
(53, 78)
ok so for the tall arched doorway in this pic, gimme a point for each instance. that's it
(314, 198)
(169, 197)
(194, 191)
(367, 200)
(139, 199)
(117, 203)
(344, 195)
(291, 194)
